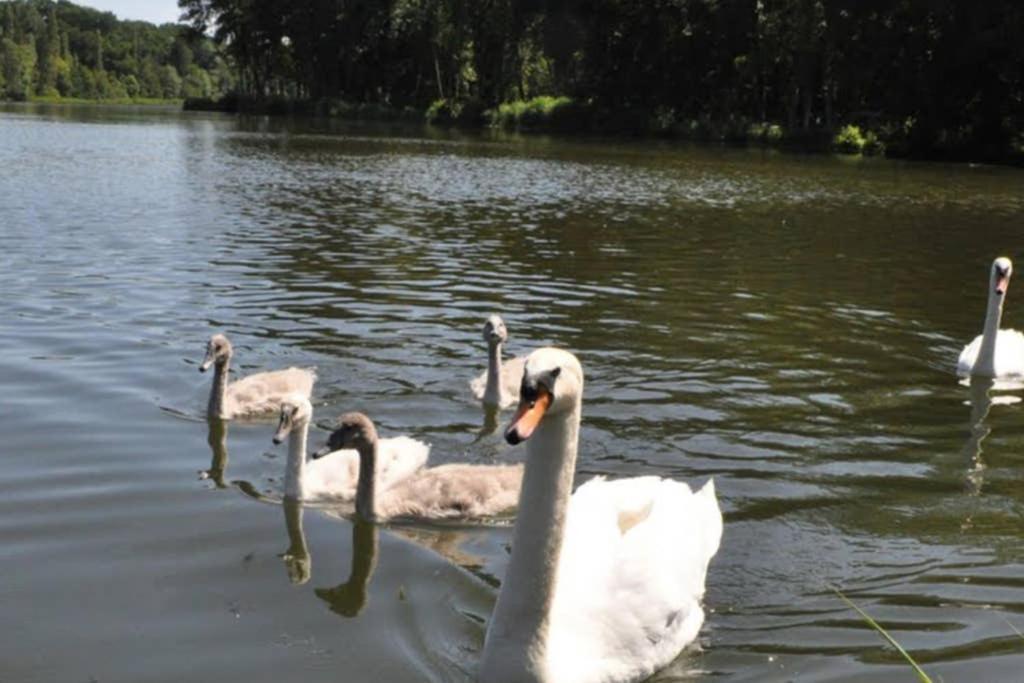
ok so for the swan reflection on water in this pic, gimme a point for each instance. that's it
(349, 597)
(981, 400)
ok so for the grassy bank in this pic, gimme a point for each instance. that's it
(329, 107)
(145, 101)
(867, 135)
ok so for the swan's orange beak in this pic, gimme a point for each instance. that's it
(528, 416)
(1002, 283)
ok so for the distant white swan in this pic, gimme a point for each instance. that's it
(335, 475)
(994, 353)
(499, 385)
(257, 395)
(605, 586)
(456, 491)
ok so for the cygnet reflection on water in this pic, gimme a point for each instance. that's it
(217, 437)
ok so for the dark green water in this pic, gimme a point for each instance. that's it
(786, 324)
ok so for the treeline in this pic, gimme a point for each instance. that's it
(927, 75)
(58, 49)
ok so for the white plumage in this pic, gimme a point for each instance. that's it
(605, 586)
(498, 385)
(1007, 360)
(631, 577)
(334, 476)
(994, 353)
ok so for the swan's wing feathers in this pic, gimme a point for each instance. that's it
(333, 476)
(1009, 353)
(398, 458)
(632, 572)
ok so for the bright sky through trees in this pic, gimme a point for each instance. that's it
(155, 11)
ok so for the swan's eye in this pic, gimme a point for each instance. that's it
(556, 372)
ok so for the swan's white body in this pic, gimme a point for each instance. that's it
(994, 353)
(604, 587)
(498, 386)
(1007, 357)
(255, 396)
(334, 477)
(456, 491)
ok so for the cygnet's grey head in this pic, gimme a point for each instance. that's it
(218, 350)
(296, 410)
(1002, 269)
(353, 430)
(552, 384)
(495, 331)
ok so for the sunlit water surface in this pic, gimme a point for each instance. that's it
(785, 324)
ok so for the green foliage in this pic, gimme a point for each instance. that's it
(540, 112)
(447, 112)
(851, 140)
(19, 60)
(921, 675)
(58, 49)
(699, 68)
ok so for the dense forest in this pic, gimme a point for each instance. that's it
(58, 49)
(925, 76)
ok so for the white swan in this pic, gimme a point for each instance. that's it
(994, 353)
(499, 384)
(456, 491)
(604, 586)
(257, 395)
(334, 476)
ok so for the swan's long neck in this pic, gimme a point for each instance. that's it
(517, 636)
(985, 364)
(294, 482)
(220, 387)
(366, 488)
(492, 392)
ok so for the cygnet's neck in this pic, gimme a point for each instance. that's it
(219, 390)
(985, 364)
(366, 488)
(493, 391)
(294, 481)
(519, 627)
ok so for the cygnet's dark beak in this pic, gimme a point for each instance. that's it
(322, 452)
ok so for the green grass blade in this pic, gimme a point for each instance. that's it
(1015, 629)
(892, 641)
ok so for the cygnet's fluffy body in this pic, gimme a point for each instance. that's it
(498, 386)
(455, 491)
(255, 396)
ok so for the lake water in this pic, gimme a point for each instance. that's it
(786, 324)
